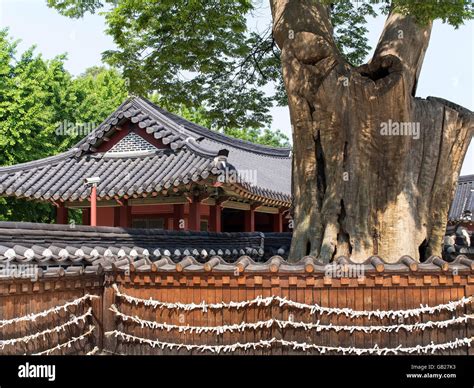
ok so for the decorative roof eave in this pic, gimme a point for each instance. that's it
(85, 265)
(63, 180)
(256, 194)
(187, 172)
(248, 191)
(278, 152)
(265, 197)
(138, 113)
(166, 126)
(155, 191)
(35, 164)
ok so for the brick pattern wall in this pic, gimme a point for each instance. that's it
(132, 143)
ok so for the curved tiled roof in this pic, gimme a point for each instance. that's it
(191, 157)
(195, 129)
(59, 250)
(272, 165)
(63, 178)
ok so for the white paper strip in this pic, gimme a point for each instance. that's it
(57, 329)
(93, 351)
(53, 310)
(67, 344)
(284, 324)
(292, 344)
(260, 301)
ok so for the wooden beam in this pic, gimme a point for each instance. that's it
(236, 205)
(159, 200)
(62, 214)
(267, 209)
(83, 204)
(215, 219)
(125, 215)
(131, 202)
(178, 216)
(209, 201)
(278, 222)
(194, 217)
(249, 220)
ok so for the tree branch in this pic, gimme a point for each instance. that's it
(292, 17)
(401, 48)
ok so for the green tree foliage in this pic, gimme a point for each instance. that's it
(37, 96)
(205, 54)
(44, 111)
(349, 29)
(98, 92)
(453, 12)
(34, 96)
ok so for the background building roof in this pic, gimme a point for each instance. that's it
(463, 198)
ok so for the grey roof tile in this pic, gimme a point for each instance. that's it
(463, 198)
(59, 250)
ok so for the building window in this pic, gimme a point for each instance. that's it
(204, 225)
(148, 223)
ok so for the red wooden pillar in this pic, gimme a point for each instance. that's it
(249, 220)
(86, 216)
(117, 216)
(94, 205)
(194, 215)
(178, 216)
(62, 214)
(278, 222)
(215, 221)
(125, 215)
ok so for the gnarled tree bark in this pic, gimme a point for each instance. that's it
(358, 190)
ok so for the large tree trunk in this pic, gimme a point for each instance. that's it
(357, 191)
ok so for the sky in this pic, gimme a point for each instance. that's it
(448, 70)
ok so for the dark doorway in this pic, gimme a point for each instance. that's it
(232, 220)
(264, 222)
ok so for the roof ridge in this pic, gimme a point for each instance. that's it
(466, 178)
(189, 141)
(217, 136)
(136, 111)
(174, 127)
(96, 129)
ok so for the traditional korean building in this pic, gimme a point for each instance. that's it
(462, 207)
(148, 168)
